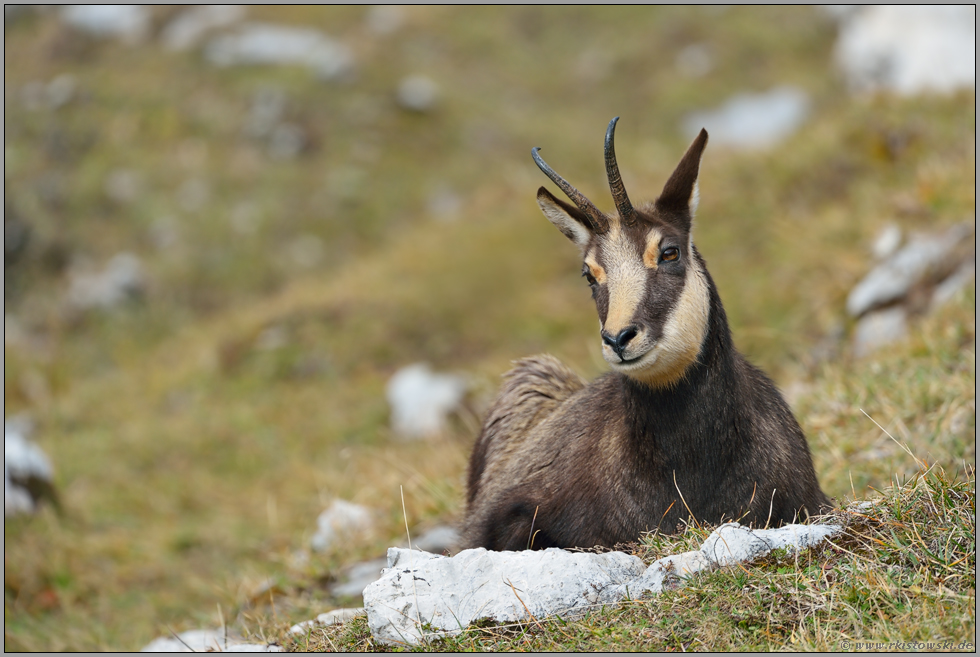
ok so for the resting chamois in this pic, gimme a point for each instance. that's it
(683, 425)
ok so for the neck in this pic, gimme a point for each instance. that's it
(699, 398)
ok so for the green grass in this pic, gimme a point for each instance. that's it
(193, 461)
(902, 571)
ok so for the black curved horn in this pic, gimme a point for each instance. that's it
(626, 211)
(597, 221)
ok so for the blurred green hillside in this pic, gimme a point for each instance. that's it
(198, 430)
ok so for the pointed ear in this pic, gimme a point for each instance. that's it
(680, 194)
(571, 221)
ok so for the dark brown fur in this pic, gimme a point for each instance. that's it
(561, 463)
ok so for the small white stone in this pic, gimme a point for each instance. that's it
(955, 282)
(879, 328)
(267, 43)
(127, 22)
(887, 242)
(335, 617)
(732, 543)
(123, 278)
(753, 121)
(421, 400)
(918, 260)
(189, 27)
(206, 641)
(909, 49)
(357, 578)
(342, 519)
(418, 93)
(449, 593)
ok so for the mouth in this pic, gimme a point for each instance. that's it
(620, 362)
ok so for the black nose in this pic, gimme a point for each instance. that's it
(619, 343)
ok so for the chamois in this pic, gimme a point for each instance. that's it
(682, 426)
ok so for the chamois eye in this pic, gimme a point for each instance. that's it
(588, 276)
(670, 254)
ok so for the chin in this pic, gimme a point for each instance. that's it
(638, 365)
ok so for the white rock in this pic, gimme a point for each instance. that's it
(909, 49)
(917, 260)
(127, 22)
(449, 593)
(421, 400)
(663, 572)
(123, 278)
(21, 455)
(753, 121)
(25, 467)
(959, 279)
(206, 641)
(732, 543)
(358, 577)
(418, 93)
(335, 617)
(189, 27)
(887, 242)
(879, 328)
(341, 520)
(266, 43)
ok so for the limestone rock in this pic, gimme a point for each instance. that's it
(267, 43)
(667, 572)
(909, 49)
(418, 93)
(879, 328)
(122, 279)
(449, 593)
(206, 641)
(445, 594)
(342, 519)
(189, 27)
(753, 121)
(922, 258)
(129, 23)
(335, 617)
(732, 543)
(358, 577)
(421, 400)
(28, 478)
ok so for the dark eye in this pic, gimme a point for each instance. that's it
(588, 275)
(669, 254)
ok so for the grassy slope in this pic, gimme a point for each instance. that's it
(193, 462)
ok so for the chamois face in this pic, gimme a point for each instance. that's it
(648, 284)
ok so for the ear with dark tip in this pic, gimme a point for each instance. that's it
(571, 221)
(680, 193)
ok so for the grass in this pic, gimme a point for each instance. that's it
(902, 572)
(193, 457)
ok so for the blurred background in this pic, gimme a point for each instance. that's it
(229, 230)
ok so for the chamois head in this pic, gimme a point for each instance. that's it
(648, 282)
